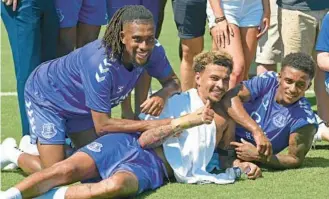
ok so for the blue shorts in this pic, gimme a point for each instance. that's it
(47, 125)
(152, 5)
(121, 152)
(91, 12)
(243, 13)
(326, 81)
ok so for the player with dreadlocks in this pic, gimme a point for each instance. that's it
(73, 95)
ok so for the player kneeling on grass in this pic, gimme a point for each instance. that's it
(277, 103)
(73, 95)
(125, 163)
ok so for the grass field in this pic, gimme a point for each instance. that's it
(309, 181)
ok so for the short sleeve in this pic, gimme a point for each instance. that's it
(258, 86)
(97, 83)
(159, 66)
(305, 116)
(323, 38)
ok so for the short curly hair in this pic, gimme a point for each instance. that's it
(300, 61)
(220, 58)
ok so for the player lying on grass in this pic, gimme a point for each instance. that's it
(277, 103)
(73, 95)
(124, 162)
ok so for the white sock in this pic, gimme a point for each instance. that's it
(13, 154)
(13, 193)
(55, 193)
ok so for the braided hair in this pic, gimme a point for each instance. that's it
(127, 14)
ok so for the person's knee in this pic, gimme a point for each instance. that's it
(115, 186)
(191, 48)
(64, 171)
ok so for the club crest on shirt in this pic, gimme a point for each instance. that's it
(279, 120)
(95, 147)
(48, 130)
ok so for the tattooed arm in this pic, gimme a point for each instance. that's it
(299, 144)
(155, 137)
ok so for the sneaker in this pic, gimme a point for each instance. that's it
(26, 146)
(7, 143)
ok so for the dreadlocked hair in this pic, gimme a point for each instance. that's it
(127, 14)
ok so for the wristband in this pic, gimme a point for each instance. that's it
(219, 19)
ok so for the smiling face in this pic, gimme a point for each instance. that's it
(212, 82)
(292, 85)
(138, 38)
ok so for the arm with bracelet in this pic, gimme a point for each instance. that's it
(155, 137)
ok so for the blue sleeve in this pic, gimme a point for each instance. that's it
(305, 116)
(258, 86)
(97, 83)
(159, 66)
(323, 38)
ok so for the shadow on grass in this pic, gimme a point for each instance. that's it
(319, 162)
(18, 171)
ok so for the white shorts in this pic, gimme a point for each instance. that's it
(243, 13)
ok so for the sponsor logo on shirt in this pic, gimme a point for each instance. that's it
(48, 130)
(95, 147)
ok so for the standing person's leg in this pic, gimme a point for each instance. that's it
(320, 78)
(49, 31)
(23, 27)
(68, 14)
(249, 45)
(190, 17)
(92, 15)
(235, 49)
(269, 45)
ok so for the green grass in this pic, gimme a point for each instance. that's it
(310, 181)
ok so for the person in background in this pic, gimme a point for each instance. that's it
(32, 27)
(236, 26)
(80, 22)
(269, 45)
(322, 48)
(190, 18)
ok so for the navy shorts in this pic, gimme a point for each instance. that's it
(121, 152)
(190, 17)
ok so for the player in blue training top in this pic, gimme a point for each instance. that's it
(277, 103)
(73, 95)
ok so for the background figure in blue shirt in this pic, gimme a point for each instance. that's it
(277, 103)
(73, 95)
(32, 27)
(80, 22)
(322, 48)
(143, 85)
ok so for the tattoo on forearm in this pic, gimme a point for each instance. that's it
(155, 137)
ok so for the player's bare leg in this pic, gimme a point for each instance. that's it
(65, 172)
(121, 184)
(86, 33)
(190, 48)
(66, 41)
